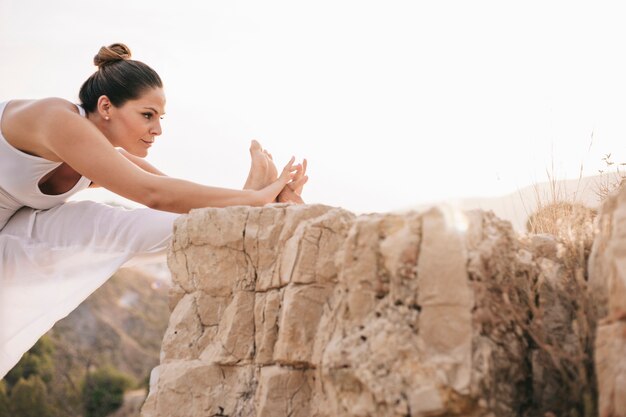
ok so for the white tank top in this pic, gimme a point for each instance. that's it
(20, 174)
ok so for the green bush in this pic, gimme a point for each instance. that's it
(103, 391)
(36, 362)
(4, 400)
(29, 398)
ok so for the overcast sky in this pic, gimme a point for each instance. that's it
(394, 103)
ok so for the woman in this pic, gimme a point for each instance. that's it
(56, 253)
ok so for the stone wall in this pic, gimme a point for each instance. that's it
(312, 311)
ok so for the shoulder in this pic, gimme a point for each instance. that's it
(52, 105)
(53, 114)
(22, 119)
(27, 124)
(44, 104)
(36, 112)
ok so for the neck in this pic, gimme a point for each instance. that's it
(101, 124)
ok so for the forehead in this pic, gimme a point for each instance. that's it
(153, 98)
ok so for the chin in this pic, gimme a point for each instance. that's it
(141, 153)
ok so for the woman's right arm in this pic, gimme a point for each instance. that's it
(78, 142)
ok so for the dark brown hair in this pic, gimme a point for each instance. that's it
(118, 77)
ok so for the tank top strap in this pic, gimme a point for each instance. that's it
(81, 110)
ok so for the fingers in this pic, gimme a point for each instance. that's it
(294, 175)
(288, 171)
(289, 167)
(297, 188)
(301, 168)
(298, 172)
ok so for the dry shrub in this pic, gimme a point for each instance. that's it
(541, 295)
(555, 309)
(561, 316)
(562, 322)
(570, 221)
(613, 179)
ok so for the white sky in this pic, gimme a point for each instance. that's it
(394, 103)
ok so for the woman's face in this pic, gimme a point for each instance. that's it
(135, 125)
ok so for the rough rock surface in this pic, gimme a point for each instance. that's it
(312, 311)
(608, 279)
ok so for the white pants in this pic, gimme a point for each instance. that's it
(52, 260)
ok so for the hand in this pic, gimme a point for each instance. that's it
(269, 193)
(289, 172)
(292, 192)
(295, 185)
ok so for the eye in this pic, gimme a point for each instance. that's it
(147, 115)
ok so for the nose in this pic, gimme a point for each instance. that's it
(156, 128)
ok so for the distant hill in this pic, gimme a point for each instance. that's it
(516, 207)
(121, 325)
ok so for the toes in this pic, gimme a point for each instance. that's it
(269, 155)
(255, 146)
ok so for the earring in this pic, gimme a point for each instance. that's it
(106, 118)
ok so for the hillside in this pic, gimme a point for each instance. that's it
(121, 324)
(517, 206)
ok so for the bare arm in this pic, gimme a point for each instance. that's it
(81, 145)
(140, 162)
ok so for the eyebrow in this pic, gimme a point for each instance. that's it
(154, 110)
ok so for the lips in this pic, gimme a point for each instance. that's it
(146, 142)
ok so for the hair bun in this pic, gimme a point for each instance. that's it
(110, 54)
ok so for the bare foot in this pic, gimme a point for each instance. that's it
(291, 193)
(287, 195)
(272, 172)
(257, 176)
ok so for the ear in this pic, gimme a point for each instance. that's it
(104, 107)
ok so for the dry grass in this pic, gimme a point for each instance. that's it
(569, 221)
(611, 182)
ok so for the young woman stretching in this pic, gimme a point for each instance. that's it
(56, 253)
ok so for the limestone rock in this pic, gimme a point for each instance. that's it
(284, 392)
(180, 389)
(608, 278)
(311, 311)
